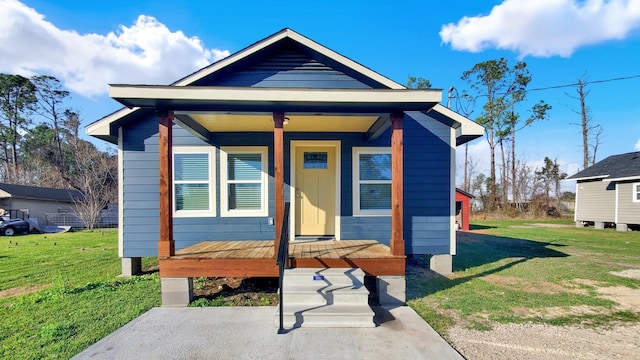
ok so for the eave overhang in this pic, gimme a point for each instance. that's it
(232, 99)
(595, 177)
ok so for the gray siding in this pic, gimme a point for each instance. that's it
(628, 210)
(596, 201)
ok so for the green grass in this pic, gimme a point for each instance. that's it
(61, 293)
(512, 271)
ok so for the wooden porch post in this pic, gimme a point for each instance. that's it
(397, 180)
(166, 245)
(278, 169)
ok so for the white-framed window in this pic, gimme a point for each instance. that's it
(371, 181)
(636, 192)
(243, 181)
(194, 185)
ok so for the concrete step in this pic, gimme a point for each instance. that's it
(339, 316)
(332, 276)
(324, 295)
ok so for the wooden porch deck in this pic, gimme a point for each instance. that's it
(257, 258)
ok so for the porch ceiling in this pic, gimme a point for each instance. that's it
(222, 122)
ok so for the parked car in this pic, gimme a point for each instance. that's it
(10, 227)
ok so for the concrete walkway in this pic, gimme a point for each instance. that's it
(251, 333)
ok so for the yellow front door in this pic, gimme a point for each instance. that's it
(315, 191)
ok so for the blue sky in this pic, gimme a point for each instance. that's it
(89, 44)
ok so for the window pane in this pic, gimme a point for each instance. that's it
(315, 160)
(244, 166)
(375, 196)
(191, 167)
(192, 197)
(375, 166)
(637, 192)
(245, 197)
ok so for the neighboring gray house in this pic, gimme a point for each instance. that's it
(37, 201)
(609, 192)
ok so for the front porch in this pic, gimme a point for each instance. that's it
(257, 258)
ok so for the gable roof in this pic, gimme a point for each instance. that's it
(201, 81)
(38, 193)
(615, 167)
(469, 195)
(102, 127)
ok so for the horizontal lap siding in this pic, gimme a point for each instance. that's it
(596, 201)
(427, 187)
(287, 65)
(628, 210)
(141, 213)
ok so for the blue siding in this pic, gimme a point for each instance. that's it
(427, 189)
(287, 64)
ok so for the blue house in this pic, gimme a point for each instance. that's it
(208, 163)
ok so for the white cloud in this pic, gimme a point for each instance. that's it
(544, 28)
(637, 146)
(145, 52)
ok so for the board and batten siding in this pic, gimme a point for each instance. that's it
(596, 201)
(628, 210)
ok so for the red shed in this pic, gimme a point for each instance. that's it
(463, 206)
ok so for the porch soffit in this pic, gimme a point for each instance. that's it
(222, 122)
(267, 100)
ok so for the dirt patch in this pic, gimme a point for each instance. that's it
(536, 341)
(238, 291)
(628, 299)
(21, 290)
(559, 311)
(539, 287)
(629, 273)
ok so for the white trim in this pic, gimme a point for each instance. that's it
(575, 211)
(293, 146)
(120, 194)
(264, 179)
(355, 166)
(210, 151)
(452, 192)
(615, 211)
(625, 178)
(183, 96)
(635, 191)
(587, 178)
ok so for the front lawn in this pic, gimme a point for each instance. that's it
(60, 293)
(531, 271)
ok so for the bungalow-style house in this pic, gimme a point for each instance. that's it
(463, 209)
(608, 192)
(208, 163)
(35, 202)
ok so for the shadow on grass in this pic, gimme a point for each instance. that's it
(475, 250)
(480, 227)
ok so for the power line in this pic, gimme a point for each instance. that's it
(586, 83)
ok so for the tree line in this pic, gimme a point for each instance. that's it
(512, 184)
(40, 144)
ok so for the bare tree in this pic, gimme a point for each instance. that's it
(588, 128)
